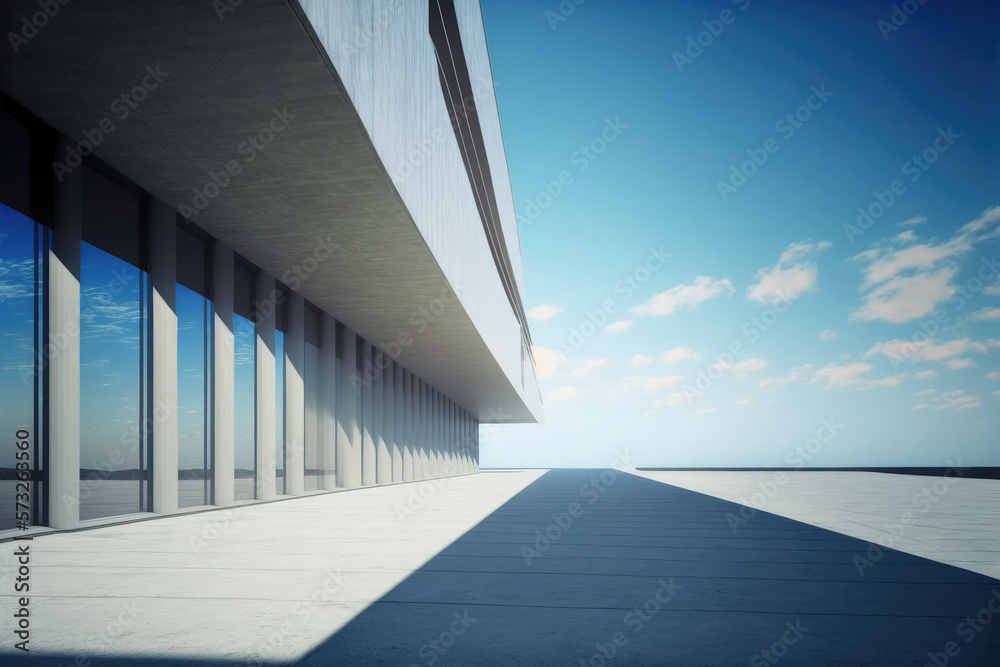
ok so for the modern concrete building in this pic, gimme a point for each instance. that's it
(249, 250)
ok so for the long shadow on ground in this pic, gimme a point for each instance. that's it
(648, 573)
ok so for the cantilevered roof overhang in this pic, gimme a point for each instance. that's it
(319, 181)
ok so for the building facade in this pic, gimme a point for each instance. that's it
(249, 250)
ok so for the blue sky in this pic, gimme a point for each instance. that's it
(883, 327)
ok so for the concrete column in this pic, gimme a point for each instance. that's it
(446, 440)
(328, 401)
(64, 360)
(389, 422)
(348, 430)
(407, 453)
(368, 416)
(420, 461)
(460, 442)
(399, 428)
(263, 318)
(438, 459)
(223, 375)
(475, 445)
(163, 276)
(383, 465)
(295, 396)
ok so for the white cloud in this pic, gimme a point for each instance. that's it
(927, 392)
(590, 365)
(770, 384)
(564, 395)
(688, 297)
(958, 364)
(841, 376)
(926, 375)
(676, 398)
(741, 368)
(639, 360)
(992, 290)
(827, 334)
(619, 326)
(902, 299)
(905, 237)
(850, 376)
(705, 411)
(789, 278)
(987, 314)
(679, 354)
(983, 346)
(995, 375)
(951, 400)
(653, 385)
(997, 394)
(907, 283)
(744, 401)
(546, 311)
(913, 222)
(546, 361)
(923, 350)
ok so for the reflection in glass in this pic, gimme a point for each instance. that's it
(313, 473)
(193, 478)
(112, 320)
(17, 364)
(245, 454)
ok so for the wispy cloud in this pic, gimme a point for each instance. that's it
(679, 354)
(619, 326)
(827, 334)
(790, 277)
(638, 360)
(590, 365)
(987, 314)
(544, 312)
(689, 297)
(564, 395)
(547, 361)
(907, 283)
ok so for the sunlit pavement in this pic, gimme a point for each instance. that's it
(526, 567)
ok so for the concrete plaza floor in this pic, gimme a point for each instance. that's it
(529, 567)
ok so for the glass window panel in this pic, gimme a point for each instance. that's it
(18, 327)
(245, 455)
(279, 412)
(113, 467)
(193, 459)
(313, 473)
